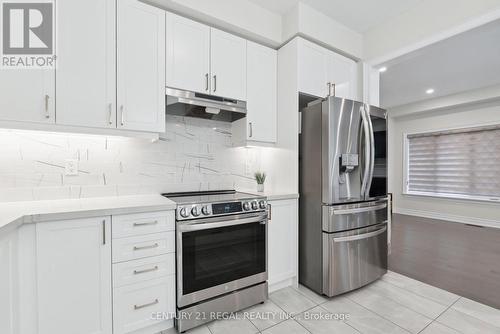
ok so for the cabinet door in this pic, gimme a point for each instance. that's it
(282, 243)
(85, 73)
(342, 72)
(8, 279)
(27, 95)
(229, 62)
(313, 67)
(261, 93)
(188, 54)
(74, 276)
(141, 66)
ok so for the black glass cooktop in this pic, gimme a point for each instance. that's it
(209, 196)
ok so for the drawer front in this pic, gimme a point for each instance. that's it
(144, 304)
(135, 271)
(143, 223)
(354, 258)
(351, 216)
(132, 248)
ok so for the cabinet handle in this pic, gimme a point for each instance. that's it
(137, 272)
(215, 83)
(146, 247)
(250, 129)
(137, 307)
(329, 84)
(144, 224)
(104, 231)
(122, 112)
(269, 211)
(110, 113)
(47, 114)
(206, 82)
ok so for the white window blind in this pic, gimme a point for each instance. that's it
(461, 163)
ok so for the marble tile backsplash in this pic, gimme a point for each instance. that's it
(193, 154)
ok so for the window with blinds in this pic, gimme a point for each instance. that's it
(461, 163)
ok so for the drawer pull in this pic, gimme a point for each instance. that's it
(138, 307)
(137, 272)
(146, 247)
(144, 224)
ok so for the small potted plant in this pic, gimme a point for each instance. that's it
(260, 177)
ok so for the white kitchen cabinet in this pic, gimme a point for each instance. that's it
(228, 54)
(140, 66)
(86, 75)
(313, 64)
(323, 72)
(262, 63)
(342, 75)
(282, 243)
(8, 280)
(74, 276)
(27, 95)
(188, 54)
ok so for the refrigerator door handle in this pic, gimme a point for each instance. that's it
(367, 153)
(372, 152)
(361, 236)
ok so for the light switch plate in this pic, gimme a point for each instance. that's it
(71, 167)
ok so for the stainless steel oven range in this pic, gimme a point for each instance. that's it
(221, 241)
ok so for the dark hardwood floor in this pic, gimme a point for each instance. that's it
(460, 258)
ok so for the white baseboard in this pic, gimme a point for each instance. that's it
(448, 217)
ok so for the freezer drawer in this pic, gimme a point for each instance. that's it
(337, 218)
(353, 259)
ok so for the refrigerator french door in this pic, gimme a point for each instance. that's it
(343, 195)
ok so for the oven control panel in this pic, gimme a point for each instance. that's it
(194, 211)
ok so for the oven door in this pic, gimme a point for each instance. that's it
(219, 255)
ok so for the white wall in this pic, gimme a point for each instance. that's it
(241, 17)
(454, 116)
(307, 22)
(427, 22)
(193, 155)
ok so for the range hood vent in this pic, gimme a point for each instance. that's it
(191, 104)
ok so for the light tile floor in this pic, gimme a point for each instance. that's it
(394, 304)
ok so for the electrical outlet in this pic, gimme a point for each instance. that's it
(71, 167)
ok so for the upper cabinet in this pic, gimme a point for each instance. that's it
(28, 95)
(228, 54)
(140, 67)
(323, 72)
(204, 60)
(188, 54)
(262, 63)
(86, 73)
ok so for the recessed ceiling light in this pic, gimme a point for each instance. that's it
(382, 69)
(429, 91)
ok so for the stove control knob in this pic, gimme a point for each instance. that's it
(205, 210)
(195, 211)
(184, 213)
(255, 206)
(246, 206)
(262, 204)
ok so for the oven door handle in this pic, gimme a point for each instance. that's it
(205, 226)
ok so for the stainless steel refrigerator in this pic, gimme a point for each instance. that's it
(343, 195)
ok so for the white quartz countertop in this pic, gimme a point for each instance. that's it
(272, 195)
(14, 214)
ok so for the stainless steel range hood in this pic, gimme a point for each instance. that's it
(191, 104)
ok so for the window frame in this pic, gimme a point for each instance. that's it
(406, 164)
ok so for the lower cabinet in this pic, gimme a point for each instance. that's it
(68, 265)
(282, 243)
(8, 280)
(74, 276)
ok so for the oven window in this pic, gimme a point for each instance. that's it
(221, 255)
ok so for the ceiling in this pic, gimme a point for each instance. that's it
(467, 61)
(358, 15)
